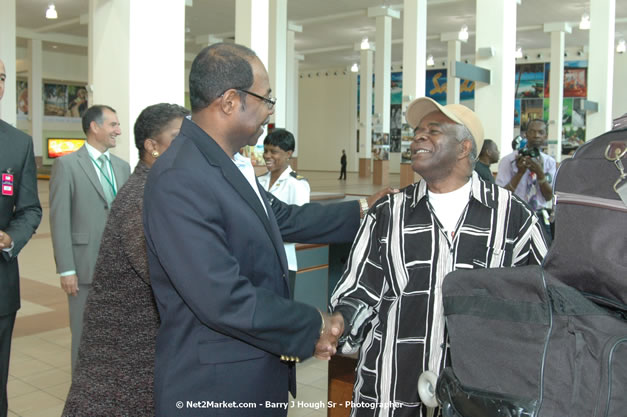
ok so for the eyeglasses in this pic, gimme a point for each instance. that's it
(269, 102)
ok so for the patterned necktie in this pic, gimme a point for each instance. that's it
(531, 194)
(105, 181)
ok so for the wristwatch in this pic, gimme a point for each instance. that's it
(363, 204)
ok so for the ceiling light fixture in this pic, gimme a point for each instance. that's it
(51, 12)
(355, 67)
(518, 53)
(621, 47)
(365, 44)
(584, 23)
(463, 33)
(430, 61)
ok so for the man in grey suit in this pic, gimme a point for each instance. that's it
(82, 187)
(20, 214)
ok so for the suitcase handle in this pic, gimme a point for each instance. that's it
(615, 151)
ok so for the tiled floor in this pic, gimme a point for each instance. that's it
(39, 374)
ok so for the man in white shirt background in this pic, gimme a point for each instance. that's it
(529, 172)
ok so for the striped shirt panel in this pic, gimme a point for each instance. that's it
(390, 292)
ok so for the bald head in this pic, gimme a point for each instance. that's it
(218, 68)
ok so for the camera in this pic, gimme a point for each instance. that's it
(531, 152)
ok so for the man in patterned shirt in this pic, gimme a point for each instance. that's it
(390, 294)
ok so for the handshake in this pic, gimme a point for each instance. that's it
(332, 329)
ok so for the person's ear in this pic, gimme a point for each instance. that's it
(466, 148)
(150, 145)
(93, 126)
(229, 101)
(289, 154)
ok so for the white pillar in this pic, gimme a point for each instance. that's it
(601, 66)
(556, 86)
(414, 50)
(453, 83)
(383, 63)
(252, 26)
(365, 111)
(127, 68)
(277, 68)
(35, 99)
(414, 53)
(352, 153)
(8, 105)
(291, 100)
(494, 103)
(252, 22)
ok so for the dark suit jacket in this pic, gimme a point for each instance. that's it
(20, 213)
(484, 172)
(219, 274)
(79, 210)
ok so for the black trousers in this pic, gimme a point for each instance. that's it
(6, 332)
(343, 172)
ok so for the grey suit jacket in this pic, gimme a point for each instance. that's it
(78, 211)
(20, 213)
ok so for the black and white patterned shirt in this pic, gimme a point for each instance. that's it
(390, 293)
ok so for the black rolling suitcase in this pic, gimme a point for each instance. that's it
(549, 341)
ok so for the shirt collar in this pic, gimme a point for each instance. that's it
(95, 153)
(241, 161)
(285, 173)
(479, 190)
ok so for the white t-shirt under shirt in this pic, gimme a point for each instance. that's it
(449, 207)
(246, 168)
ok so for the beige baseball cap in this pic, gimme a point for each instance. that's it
(458, 113)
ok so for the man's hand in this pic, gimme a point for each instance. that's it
(69, 283)
(379, 194)
(534, 165)
(5, 240)
(522, 163)
(333, 329)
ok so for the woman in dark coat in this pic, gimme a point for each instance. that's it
(114, 372)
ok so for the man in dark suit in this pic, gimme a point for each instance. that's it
(343, 166)
(82, 186)
(230, 335)
(20, 214)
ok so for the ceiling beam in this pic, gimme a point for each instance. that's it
(58, 25)
(59, 38)
(357, 13)
(330, 18)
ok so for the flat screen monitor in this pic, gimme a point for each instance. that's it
(62, 146)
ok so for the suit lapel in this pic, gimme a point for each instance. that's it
(85, 163)
(275, 232)
(216, 156)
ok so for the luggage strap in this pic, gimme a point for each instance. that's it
(614, 152)
(586, 200)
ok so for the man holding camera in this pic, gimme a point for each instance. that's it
(529, 172)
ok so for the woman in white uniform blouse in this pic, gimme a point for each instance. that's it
(284, 183)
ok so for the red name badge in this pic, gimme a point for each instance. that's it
(7, 184)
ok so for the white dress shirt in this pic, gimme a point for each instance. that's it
(246, 168)
(289, 190)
